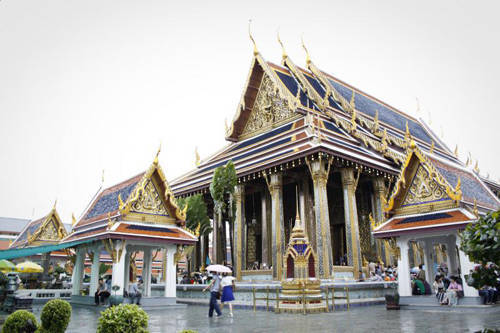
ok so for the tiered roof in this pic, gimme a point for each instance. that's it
(140, 208)
(287, 112)
(434, 194)
(46, 230)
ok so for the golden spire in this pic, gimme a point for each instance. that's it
(432, 147)
(283, 54)
(459, 182)
(353, 120)
(225, 125)
(476, 167)
(255, 51)
(308, 58)
(474, 209)
(157, 154)
(55, 203)
(375, 122)
(73, 219)
(467, 163)
(197, 157)
(352, 103)
(456, 151)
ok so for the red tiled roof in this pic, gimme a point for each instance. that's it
(431, 220)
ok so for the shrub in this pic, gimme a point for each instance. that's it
(21, 321)
(55, 316)
(123, 318)
(188, 331)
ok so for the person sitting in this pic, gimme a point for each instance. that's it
(453, 291)
(133, 293)
(439, 289)
(102, 293)
(418, 287)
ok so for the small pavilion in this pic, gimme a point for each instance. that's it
(138, 215)
(431, 202)
(48, 230)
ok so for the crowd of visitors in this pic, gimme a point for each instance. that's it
(377, 272)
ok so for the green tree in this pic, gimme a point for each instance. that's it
(481, 240)
(103, 268)
(196, 214)
(222, 189)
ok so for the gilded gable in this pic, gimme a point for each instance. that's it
(423, 189)
(269, 110)
(49, 231)
(149, 201)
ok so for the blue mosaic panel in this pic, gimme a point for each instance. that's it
(262, 137)
(471, 188)
(30, 229)
(109, 202)
(300, 248)
(430, 217)
(321, 91)
(385, 115)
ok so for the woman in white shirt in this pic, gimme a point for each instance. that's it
(227, 285)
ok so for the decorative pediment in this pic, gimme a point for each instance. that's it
(152, 200)
(269, 110)
(420, 187)
(51, 230)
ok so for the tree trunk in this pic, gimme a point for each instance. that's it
(224, 241)
(231, 241)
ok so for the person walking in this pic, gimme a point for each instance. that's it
(228, 287)
(214, 287)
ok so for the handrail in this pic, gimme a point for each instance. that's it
(302, 296)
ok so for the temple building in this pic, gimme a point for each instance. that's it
(430, 203)
(342, 148)
(10, 228)
(47, 230)
(138, 215)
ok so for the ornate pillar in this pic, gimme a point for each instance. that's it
(264, 204)
(146, 271)
(126, 272)
(239, 230)
(404, 286)
(428, 261)
(305, 202)
(351, 219)
(319, 175)
(277, 229)
(203, 258)
(94, 271)
(118, 277)
(378, 214)
(170, 278)
(78, 271)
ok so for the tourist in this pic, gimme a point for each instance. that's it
(418, 287)
(452, 293)
(214, 287)
(227, 285)
(439, 289)
(102, 293)
(133, 293)
(421, 273)
(374, 277)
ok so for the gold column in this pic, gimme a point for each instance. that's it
(351, 219)
(239, 198)
(275, 185)
(378, 198)
(319, 173)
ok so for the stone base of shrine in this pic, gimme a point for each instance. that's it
(147, 303)
(430, 302)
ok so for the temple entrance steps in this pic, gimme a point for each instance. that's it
(430, 302)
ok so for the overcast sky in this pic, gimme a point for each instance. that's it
(96, 84)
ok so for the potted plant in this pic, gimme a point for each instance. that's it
(392, 297)
(115, 299)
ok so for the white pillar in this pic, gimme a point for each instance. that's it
(94, 273)
(146, 271)
(126, 272)
(452, 254)
(465, 267)
(404, 286)
(118, 278)
(428, 262)
(170, 279)
(76, 278)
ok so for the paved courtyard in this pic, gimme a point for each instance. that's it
(359, 319)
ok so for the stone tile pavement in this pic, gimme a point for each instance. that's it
(358, 319)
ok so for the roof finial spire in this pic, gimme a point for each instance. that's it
(297, 217)
(197, 156)
(157, 154)
(55, 203)
(73, 219)
(308, 58)
(255, 51)
(352, 102)
(456, 151)
(476, 167)
(283, 54)
(102, 177)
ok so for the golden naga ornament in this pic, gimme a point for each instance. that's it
(197, 157)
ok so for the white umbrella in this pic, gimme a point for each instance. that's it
(218, 269)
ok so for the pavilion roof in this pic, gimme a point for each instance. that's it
(141, 207)
(46, 230)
